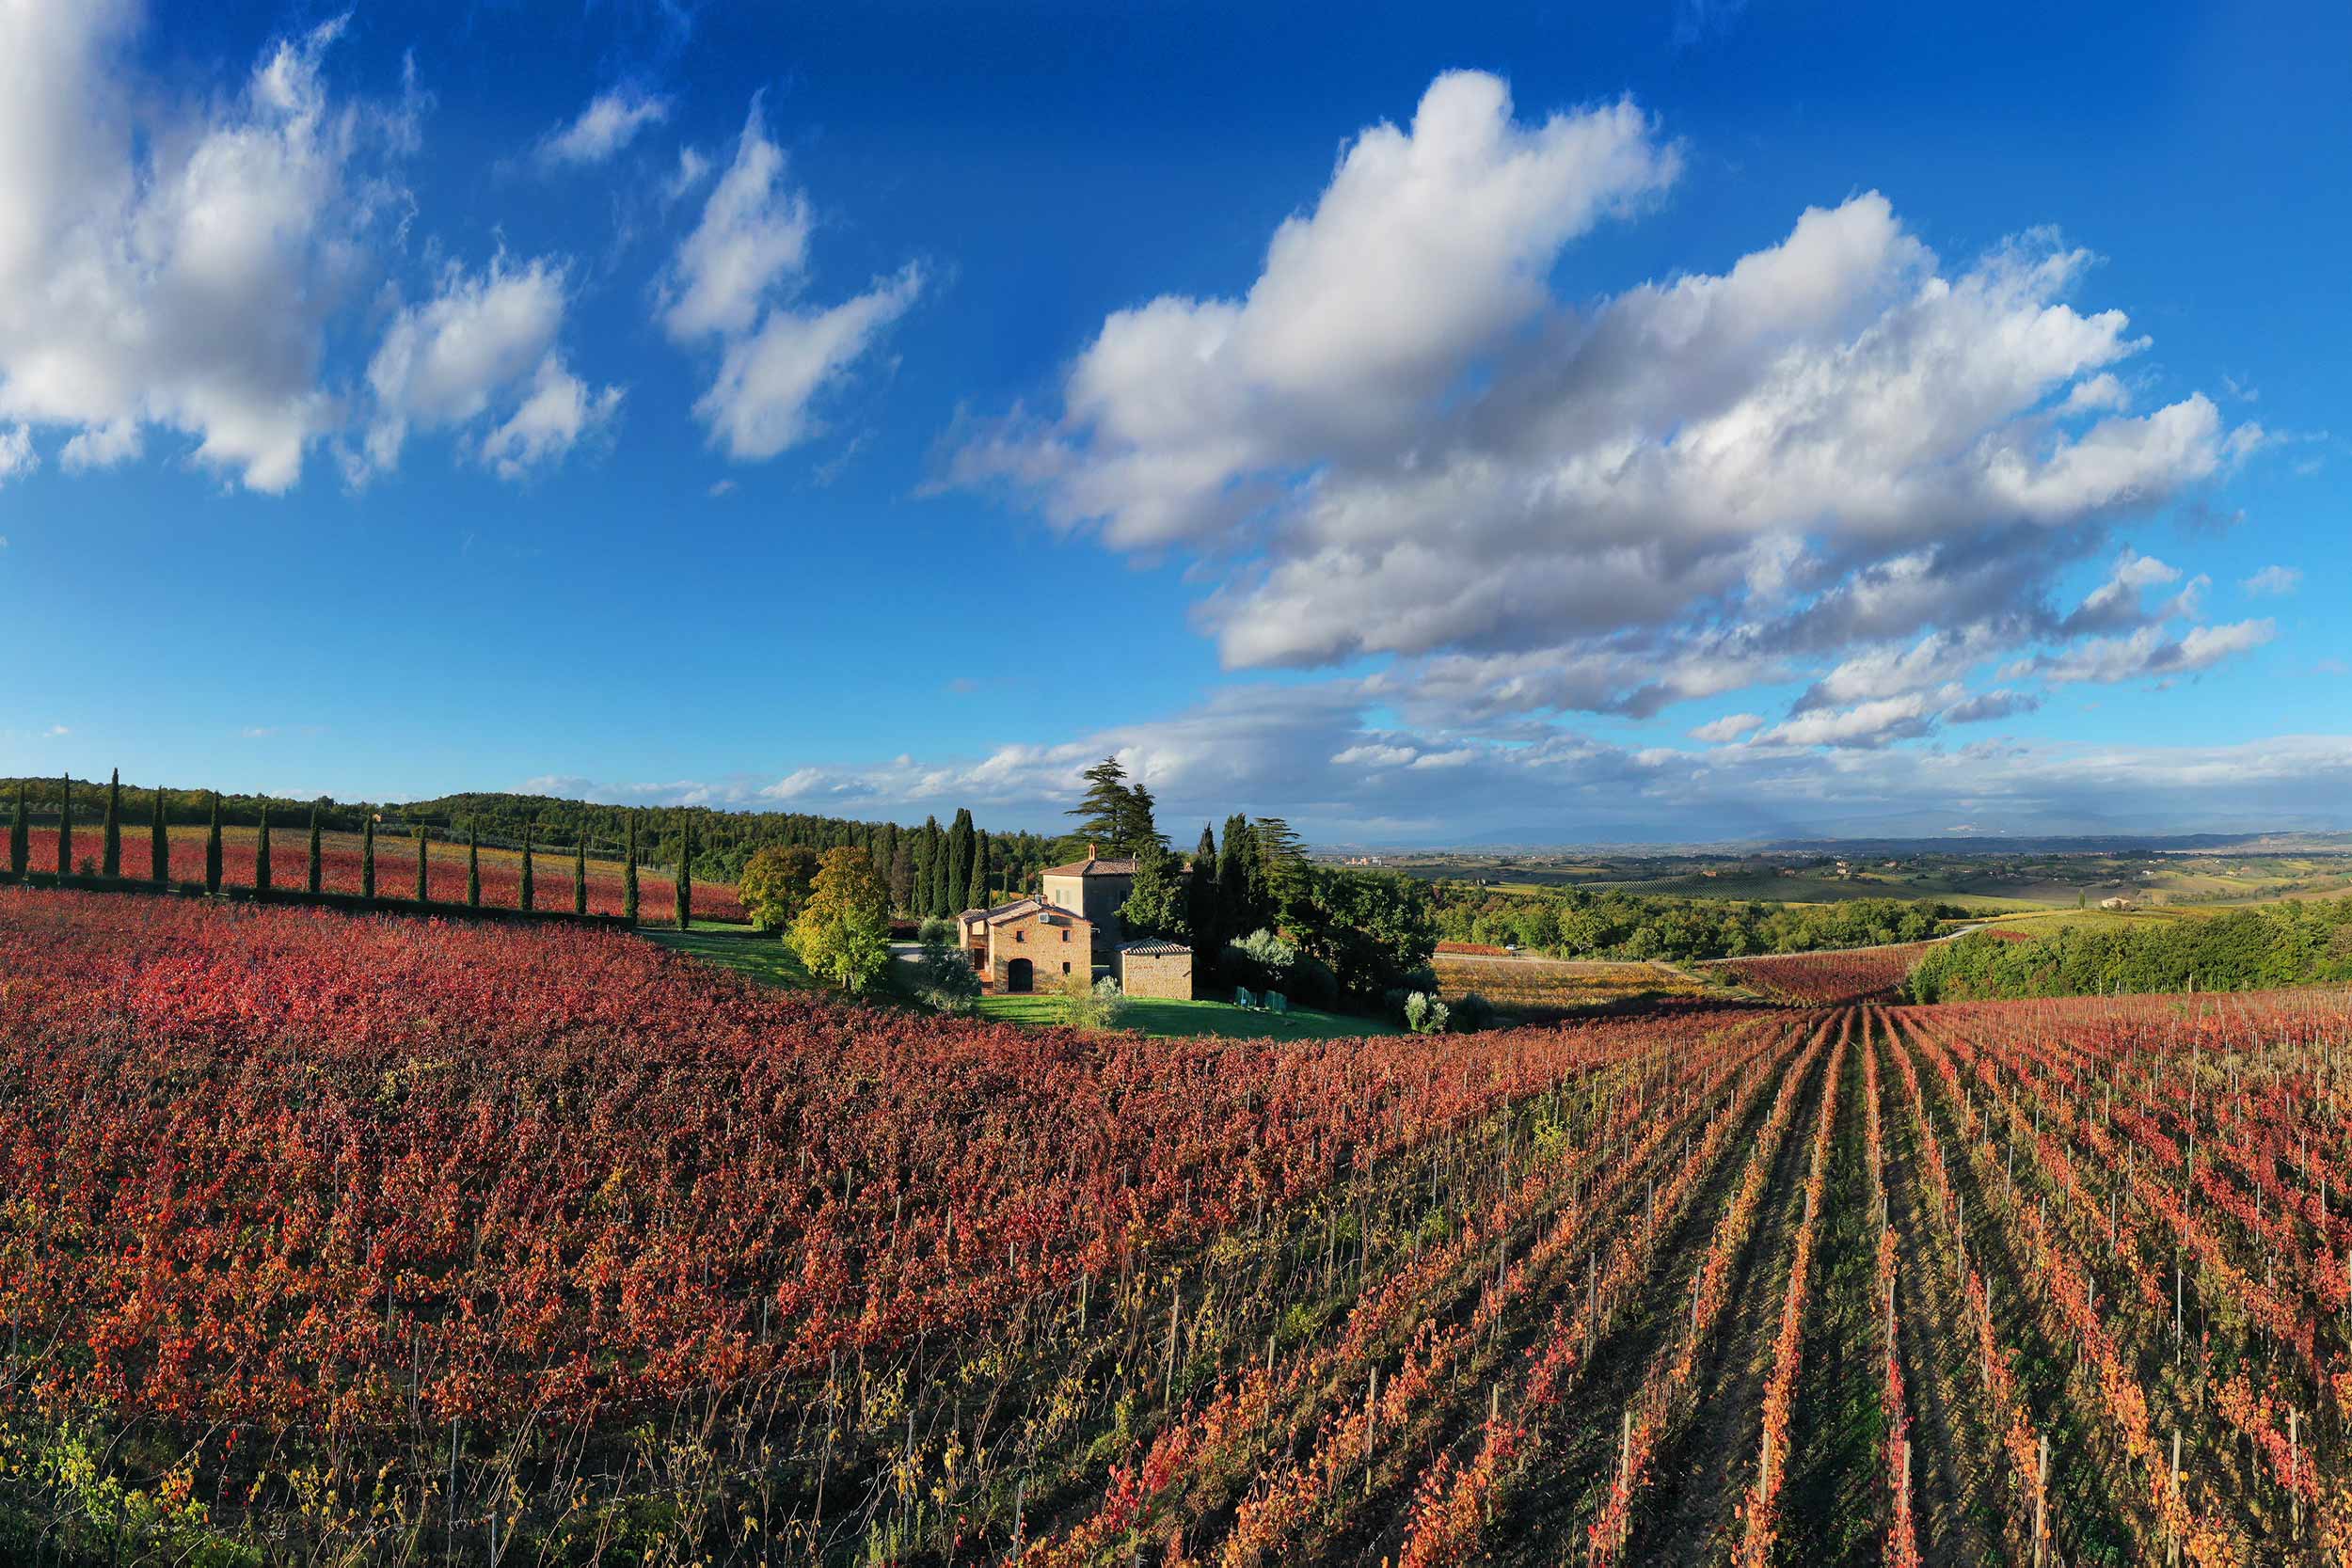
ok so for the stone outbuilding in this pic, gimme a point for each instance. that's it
(1028, 944)
(1155, 968)
(1093, 889)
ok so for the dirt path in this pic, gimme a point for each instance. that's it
(1959, 1523)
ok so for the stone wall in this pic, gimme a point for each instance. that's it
(1159, 974)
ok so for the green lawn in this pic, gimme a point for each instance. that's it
(1159, 1017)
(762, 955)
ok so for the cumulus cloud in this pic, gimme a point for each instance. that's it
(2275, 580)
(175, 267)
(1843, 457)
(733, 279)
(483, 343)
(609, 124)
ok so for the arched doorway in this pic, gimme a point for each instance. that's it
(1017, 974)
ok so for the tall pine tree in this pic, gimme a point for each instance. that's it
(424, 872)
(474, 866)
(112, 865)
(529, 892)
(65, 828)
(260, 852)
(367, 856)
(686, 875)
(19, 835)
(629, 875)
(315, 878)
(212, 848)
(580, 873)
(1104, 811)
(159, 843)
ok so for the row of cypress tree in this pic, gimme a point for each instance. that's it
(159, 855)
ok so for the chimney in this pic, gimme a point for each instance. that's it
(1089, 849)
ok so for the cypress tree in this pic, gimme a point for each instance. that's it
(19, 835)
(212, 848)
(629, 875)
(317, 875)
(1200, 891)
(65, 828)
(685, 877)
(260, 853)
(529, 892)
(958, 860)
(474, 866)
(424, 875)
(976, 894)
(367, 856)
(579, 875)
(112, 865)
(159, 843)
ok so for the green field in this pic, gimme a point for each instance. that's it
(762, 955)
(1163, 1018)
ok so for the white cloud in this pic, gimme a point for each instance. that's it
(759, 404)
(1873, 723)
(1730, 727)
(483, 343)
(2148, 652)
(1401, 440)
(559, 411)
(176, 266)
(753, 236)
(734, 279)
(2273, 579)
(17, 456)
(2097, 393)
(610, 122)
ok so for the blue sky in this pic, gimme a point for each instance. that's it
(1436, 424)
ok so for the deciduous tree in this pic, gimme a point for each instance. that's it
(843, 930)
(776, 881)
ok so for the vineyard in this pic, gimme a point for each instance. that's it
(342, 869)
(403, 1241)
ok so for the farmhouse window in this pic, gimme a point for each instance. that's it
(1021, 936)
(1065, 966)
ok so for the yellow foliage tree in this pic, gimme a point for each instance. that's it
(843, 931)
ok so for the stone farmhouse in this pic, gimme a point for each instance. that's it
(1072, 927)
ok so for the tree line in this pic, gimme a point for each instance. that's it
(2289, 944)
(74, 860)
(1579, 922)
